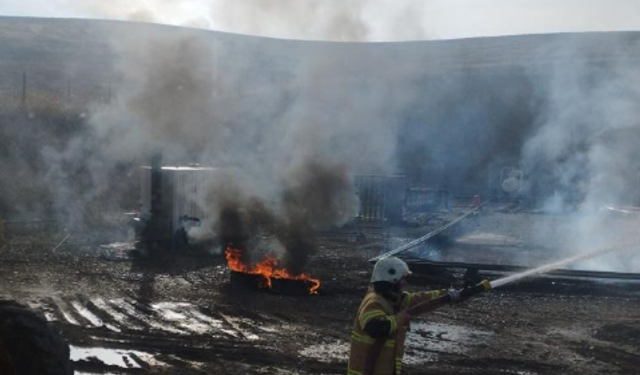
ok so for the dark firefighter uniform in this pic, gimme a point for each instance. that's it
(377, 343)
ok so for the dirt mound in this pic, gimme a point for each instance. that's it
(28, 345)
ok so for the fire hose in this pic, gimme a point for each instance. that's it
(433, 304)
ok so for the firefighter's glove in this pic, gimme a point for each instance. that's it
(455, 295)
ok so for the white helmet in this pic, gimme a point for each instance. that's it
(390, 269)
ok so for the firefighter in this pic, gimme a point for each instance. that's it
(380, 328)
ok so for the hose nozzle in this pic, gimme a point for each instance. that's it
(486, 284)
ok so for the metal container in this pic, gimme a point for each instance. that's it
(169, 194)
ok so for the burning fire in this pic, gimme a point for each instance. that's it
(268, 269)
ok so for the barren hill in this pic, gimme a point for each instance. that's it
(51, 50)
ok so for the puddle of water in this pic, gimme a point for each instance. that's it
(182, 314)
(422, 337)
(172, 310)
(327, 352)
(111, 357)
(114, 357)
(440, 338)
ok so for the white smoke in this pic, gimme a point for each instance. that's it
(288, 124)
(264, 109)
(584, 155)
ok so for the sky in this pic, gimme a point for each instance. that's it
(354, 20)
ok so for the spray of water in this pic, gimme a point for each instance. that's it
(552, 266)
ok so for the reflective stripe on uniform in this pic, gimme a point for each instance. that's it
(409, 299)
(353, 372)
(394, 324)
(362, 338)
(398, 366)
(434, 293)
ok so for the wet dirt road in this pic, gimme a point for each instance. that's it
(182, 315)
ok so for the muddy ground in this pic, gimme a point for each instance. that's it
(181, 314)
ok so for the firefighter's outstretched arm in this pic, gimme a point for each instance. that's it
(452, 296)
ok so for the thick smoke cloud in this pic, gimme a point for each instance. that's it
(317, 197)
(165, 101)
(340, 22)
(286, 151)
(353, 20)
(276, 117)
(584, 153)
(587, 129)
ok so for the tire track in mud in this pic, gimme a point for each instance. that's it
(168, 334)
(141, 313)
(120, 320)
(89, 311)
(64, 312)
(124, 314)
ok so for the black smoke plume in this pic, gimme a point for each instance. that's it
(316, 197)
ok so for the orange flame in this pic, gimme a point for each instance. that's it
(268, 269)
